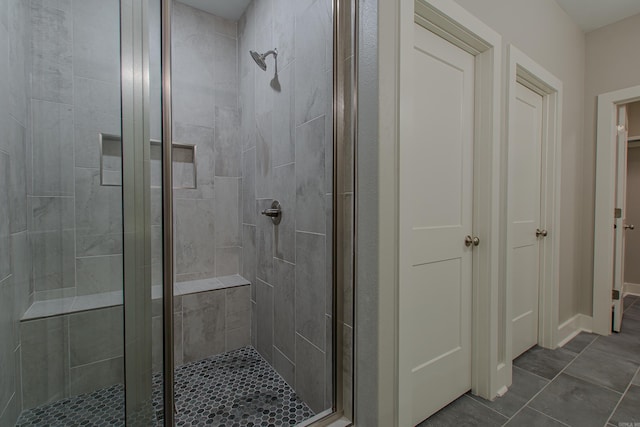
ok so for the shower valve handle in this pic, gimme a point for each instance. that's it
(275, 212)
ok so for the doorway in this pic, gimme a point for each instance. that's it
(534, 120)
(611, 226)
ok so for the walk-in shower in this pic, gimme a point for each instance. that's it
(260, 58)
(175, 229)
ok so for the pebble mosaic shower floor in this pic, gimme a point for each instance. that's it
(238, 388)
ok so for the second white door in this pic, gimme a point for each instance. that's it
(525, 229)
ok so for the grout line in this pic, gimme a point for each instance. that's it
(550, 381)
(549, 416)
(622, 396)
(477, 400)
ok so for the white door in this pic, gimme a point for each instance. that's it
(621, 224)
(436, 203)
(525, 229)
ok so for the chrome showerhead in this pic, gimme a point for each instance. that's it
(260, 57)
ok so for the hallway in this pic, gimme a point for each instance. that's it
(591, 381)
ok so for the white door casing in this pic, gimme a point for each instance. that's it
(620, 228)
(524, 195)
(523, 71)
(437, 177)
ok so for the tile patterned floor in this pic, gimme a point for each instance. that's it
(591, 381)
(238, 388)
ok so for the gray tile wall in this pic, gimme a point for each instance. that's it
(286, 133)
(74, 223)
(205, 112)
(16, 286)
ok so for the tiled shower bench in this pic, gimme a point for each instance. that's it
(72, 346)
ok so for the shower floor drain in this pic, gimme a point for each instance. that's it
(238, 388)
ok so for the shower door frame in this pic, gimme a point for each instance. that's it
(344, 34)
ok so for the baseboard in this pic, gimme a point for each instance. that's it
(572, 327)
(631, 289)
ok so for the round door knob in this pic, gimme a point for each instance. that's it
(542, 233)
(468, 241)
(629, 227)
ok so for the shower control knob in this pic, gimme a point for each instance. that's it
(275, 212)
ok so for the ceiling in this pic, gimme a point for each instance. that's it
(593, 14)
(228, 9)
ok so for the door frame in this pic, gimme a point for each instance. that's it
(527, 72)
(606, 159)
(453, 23)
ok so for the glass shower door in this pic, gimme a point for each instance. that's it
(80, 213)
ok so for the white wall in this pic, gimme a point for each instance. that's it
(611, 64)
(544, 32)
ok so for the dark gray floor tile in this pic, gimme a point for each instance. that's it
(632, 312)
(525, 385)
(579, 343)
(626, 346)
(636, 380)
(630, 300)
(605, 369)
(629, 409)
(576, 402)
(531, 417)
(464, 412)
(543, 362)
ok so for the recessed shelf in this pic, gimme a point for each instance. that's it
(184, 163)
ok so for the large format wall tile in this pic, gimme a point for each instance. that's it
(45, 360)
(263, 157)
(284, 190)
(264, 300)
(225, 72)
(98, 215)
(96, 23)
(310, 374)
(52, 149)
(7, 363)
(96, 335)
(53, 257)
(20, 59)
(203, 325)
(310, 166)
(195, 247)
(284, 308)
(313, 29)
(284, 120)
(249, 186)
(17, 176)
(228, 149)
(226, 212)
(193, 66)
(264, 243)
(21, 272)
(284, 14)
(51, 213)
(310, 287)
(5, 222)
(249, 256)
(99, 274)
(95, 376)
(52, 50)
(96, 111)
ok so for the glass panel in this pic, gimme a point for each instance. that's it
(253, 316)
(61, 328)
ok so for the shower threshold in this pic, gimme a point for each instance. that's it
(238, 388)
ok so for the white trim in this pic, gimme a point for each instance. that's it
(605, 203)
(631, 289)
(526, 71)
(458, 26)
(572, 327)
